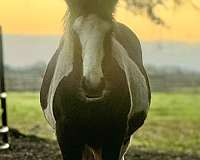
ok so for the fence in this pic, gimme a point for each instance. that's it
(159, 82)
(4, 129)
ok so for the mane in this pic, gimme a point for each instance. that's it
(102, 8)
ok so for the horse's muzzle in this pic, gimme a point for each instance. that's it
(91, 94)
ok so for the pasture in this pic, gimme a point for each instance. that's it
(171, 130)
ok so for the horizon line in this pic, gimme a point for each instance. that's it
(141, 40)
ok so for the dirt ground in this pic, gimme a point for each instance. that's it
(33, 148)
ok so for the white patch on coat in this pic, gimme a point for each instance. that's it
(91, 31)
(136, 81)
(64, 67)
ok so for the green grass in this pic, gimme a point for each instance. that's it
(25, 114)
(173, 123)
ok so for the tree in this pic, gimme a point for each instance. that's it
(149, 7)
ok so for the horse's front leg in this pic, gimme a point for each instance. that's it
(70, 145)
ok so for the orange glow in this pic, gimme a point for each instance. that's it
(44, 17)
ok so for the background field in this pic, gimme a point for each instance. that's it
(172, 125)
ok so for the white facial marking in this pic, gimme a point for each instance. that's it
(91, 31)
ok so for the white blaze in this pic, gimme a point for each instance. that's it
(91, 31)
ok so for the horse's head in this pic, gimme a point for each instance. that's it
(92, 31)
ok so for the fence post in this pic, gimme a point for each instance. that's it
(4, 129)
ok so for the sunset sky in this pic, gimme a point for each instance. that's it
(44, 17)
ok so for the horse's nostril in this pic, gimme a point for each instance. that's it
(91, 90)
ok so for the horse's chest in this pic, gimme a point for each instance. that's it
(112, 110)
(68, 106)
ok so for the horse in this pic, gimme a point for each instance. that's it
(95, 92)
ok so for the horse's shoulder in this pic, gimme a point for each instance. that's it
(47, 79)
(129, 40)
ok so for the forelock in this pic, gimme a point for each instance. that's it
(102, 8)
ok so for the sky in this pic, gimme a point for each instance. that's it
(45, 17)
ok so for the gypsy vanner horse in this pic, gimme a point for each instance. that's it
(95, 92)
